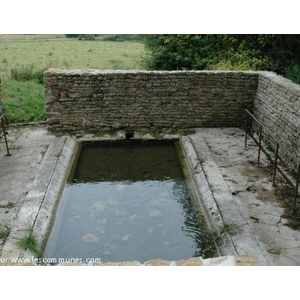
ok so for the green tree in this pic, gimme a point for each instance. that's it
(279, 53)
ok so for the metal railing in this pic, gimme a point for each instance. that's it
(4, 134)
(262, 128)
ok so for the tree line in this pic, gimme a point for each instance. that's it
(279, 53)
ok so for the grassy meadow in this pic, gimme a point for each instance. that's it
(23, 98)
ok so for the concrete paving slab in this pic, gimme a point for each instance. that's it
(17, 172)
(251, 188)
(237, 192)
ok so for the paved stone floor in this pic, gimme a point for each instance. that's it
(251, 186)
(229, 261)
(17, 172)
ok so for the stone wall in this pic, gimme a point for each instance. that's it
(277, 105)
(90, 101)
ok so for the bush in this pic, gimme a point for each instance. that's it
(87, 37)
(179, 51)
(121, 37)
(70, 36)
(28, 73)
(293, 73)
(243, 60)
(279, 53)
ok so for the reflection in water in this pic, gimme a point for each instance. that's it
(146, 216)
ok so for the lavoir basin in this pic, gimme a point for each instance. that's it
(128, 200)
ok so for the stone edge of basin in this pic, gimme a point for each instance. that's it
(217, 201)
(205, 196)
(38, 208)
(43, 197)
(195, 261)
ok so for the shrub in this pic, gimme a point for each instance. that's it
(243, 60)
(293, 73)
(121, 37)
(279, 53)
(28, 73)
(87, 37)
(70, 36)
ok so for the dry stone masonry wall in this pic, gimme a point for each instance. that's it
(90, 101)
(93, 101)
(277, 104)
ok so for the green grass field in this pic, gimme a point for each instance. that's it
(24, 101)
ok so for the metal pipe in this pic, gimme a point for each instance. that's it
(254, 118)
(296, 189)
(275, 164)
(261, 124)
(259, 144)
(5, 138)
(246, 131)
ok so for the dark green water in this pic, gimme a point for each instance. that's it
(128, 201)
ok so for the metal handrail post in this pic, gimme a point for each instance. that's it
(259, 144)
(246, 130)
(275, 163)
(296, 189)
(5, 138)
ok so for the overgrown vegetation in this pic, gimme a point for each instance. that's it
(14, 147)
(293, 73)
(218, 235)
(24, 101)
(279, 53)
(85, 37)
(28, 73)
(106, 37)
(122, 37)
(7, 205)
(23, 59)
(30, 242)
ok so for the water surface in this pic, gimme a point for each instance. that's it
(128, 201)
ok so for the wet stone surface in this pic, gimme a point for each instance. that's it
(128, 202)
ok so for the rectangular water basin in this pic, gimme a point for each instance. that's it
(128, 200)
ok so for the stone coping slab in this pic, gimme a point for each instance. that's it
(39, 204)
(221, 207)
(73, 72)
(194, 261)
